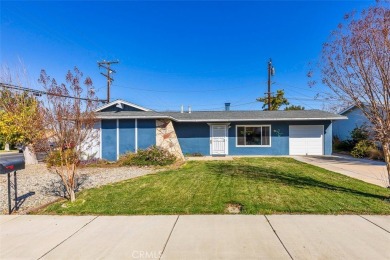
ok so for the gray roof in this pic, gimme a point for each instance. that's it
(225, 116)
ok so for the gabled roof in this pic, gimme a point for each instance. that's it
(342, 112)
(226, 116)
(120, 101)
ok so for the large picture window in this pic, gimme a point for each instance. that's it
(258, 135)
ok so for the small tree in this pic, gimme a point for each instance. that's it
(276, 101)
(294, 107)
(21, 121)
(71, 124)
(356, 66)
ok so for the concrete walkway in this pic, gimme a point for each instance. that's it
(373, 172)
(195, 237)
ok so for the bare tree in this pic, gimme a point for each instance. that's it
(70, 122)
(355, 64)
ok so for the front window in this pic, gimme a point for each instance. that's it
(253, 135)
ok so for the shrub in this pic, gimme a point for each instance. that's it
(376, 154)
(360, 133)
(345, 145)
(152, 156)
(362, 149)
(196, 154)
(54, 158)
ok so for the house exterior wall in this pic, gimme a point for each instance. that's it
(166, 137)
(146, 133)
(342, 129)
(126, 136)
(195, 138)
(109, 139)
(119, 136)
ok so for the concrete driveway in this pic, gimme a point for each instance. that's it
(366, 170)
(195, 237)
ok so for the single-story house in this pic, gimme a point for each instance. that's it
(126, 127)
(356, 118)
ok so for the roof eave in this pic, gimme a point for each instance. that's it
(221, 120)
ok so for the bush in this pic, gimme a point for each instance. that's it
(360, 133)
(346, 145)
(152, 156)
(376, 154)
(54, 158)
(196, 154)
(362, 149)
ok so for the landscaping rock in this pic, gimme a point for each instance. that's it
(38, 186)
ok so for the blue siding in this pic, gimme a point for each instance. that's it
(195, 138)
(279, 140)
(109, 139)
(343, 128)
(126, 135)
(146, 133)
(328, 136)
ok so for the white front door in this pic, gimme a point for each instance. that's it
(218, 140)
(306, 139)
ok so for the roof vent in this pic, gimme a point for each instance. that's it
(227, 106)
(189, 109)
(182, 109)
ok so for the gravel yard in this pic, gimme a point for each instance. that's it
(37, 186)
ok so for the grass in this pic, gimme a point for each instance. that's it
(261, 185)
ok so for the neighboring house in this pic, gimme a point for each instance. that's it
(126, 127)
(356, 118)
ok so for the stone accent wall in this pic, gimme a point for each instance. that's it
(166, 137)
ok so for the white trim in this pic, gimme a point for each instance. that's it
(136, 135)
(226, 137)
(117, 139)
(322, 137)
(248, 146)
(100, 139)
(120, 101)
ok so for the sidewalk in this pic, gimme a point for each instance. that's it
(195, 237)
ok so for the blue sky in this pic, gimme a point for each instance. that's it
(200, 54)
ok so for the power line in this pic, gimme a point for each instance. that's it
(107, 65)
(177, 90)
(39, 93)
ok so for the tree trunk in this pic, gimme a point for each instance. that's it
(72, 195)
(29, 155)
(386, 152)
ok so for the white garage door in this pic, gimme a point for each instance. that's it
(306, 139)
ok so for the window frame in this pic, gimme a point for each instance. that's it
(246, 146)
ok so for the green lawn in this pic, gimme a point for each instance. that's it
(261, 185)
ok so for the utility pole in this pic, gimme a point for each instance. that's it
(107, 65)
(271, 72)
